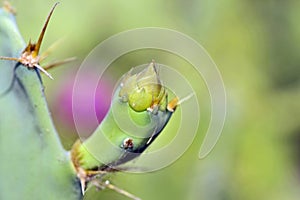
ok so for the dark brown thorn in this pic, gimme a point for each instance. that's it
(59, 63)
(38, 44)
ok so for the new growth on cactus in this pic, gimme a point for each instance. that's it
(142, 100)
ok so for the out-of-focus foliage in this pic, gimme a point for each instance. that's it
(256, 47)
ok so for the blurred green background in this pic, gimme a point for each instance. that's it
(255, 45)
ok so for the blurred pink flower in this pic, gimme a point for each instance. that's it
(88, 104)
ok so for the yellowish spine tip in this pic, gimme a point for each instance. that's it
(173, 104)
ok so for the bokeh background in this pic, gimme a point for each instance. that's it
(255, 44)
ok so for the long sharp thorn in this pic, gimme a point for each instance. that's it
(38, 44)
(121, 191)
(9, 58)
(185, 98)
(44, 71)
(59, 63)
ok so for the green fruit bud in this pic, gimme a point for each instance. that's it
(142, 90)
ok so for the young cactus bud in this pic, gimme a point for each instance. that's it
(142, 90)
(139, 111)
